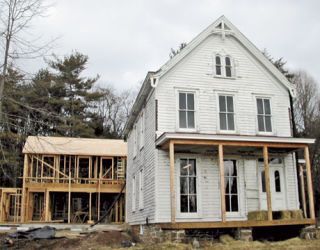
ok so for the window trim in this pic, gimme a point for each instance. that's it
(273, 132)
(135, 141)
(141, 130)
(223, 66)
(235, 213)
(196, 118)
(141, 189)
(133, 199)
(235, 117)
(183, 215)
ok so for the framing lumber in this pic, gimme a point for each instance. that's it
(309, 183)
(49, 166)
(235, 143)
(222, 188)
(24, 193)
(172, 189)
(267, 181)
(235, 224)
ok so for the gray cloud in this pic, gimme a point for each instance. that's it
(124, 39)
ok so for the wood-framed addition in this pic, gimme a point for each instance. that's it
(265, 146)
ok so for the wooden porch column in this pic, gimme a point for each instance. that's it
(309, 182)
(172, 190)
(302, 190)
(222, 187)
(267, 180)
(47, 206)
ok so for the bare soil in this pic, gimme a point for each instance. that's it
(113, 240)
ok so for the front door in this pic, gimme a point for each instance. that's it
(277, 187)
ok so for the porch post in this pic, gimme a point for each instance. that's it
(172, 190)
(309, 182)
(267, 180)
(302, 190)
(222, 188)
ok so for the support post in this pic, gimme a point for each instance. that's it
(302, 190)
(47, 219)
(90, 211)
(267, 181)
(23, 199)
(172, 190)
(222, 188)
(69, 192)
(309, 183)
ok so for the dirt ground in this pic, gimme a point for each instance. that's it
(113, 240)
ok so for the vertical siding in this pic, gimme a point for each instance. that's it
(145, 159)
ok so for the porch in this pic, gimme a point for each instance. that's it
(221, 147)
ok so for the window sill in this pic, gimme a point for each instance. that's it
(187, 130)
(266, 133)
(225, 77)
(233, 132)
(188, 215)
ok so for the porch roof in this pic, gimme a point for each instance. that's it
(219, 138)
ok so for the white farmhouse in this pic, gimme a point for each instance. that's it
(210, 140)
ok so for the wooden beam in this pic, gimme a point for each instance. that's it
(235, 224)
(90, 204)
(222, 188)
(302, 190)
(172, 189)
(49, 166)
(309, 183)
(267, 181)
(238, 143)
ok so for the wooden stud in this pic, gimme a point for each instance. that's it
(222, 188)
(267, 181)
(23, 202)
(309, 183)
(302, 190)
(90, 204)
(69, 193)
(47, 206)
(172, 176)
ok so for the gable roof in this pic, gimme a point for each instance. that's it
(74, 146)
(214, 28)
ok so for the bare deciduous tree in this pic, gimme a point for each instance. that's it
(15, 21)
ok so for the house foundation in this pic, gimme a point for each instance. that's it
(243, 234)
(310, 233)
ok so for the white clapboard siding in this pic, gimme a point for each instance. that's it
(194, 72)
(144, 159)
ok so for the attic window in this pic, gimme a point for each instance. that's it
(223, 66)
(218, 65)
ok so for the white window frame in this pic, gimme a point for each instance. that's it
(135, 135)
(236, 213)
(141, 189)
(195, 94)
(142, 127)
(256, 115)
(133, 204)
(235, 117)
(223, 66)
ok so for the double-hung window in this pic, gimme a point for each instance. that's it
(231, 185)
(264, 115)
(186, 110)
(226, 112)
(133, 204)
(141, 197)
(188, 186)
(141, 138)
(135, 139)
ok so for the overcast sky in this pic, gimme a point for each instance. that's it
(126, 38)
